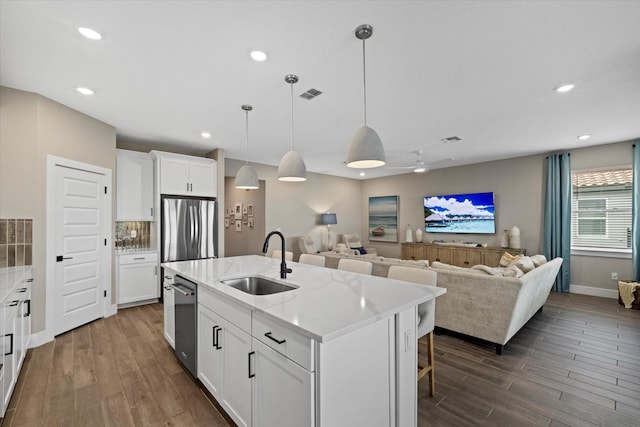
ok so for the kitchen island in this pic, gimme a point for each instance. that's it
(339, 349)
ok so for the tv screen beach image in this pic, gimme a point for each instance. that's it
(460, 213)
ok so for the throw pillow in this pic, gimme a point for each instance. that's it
(443, 266)
(524, 263)
(487, 270)
(507, 259)
(538, 260)
(361, 249)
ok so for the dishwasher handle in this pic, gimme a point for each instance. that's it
(183, 290)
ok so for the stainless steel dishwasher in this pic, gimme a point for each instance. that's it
(186, 323)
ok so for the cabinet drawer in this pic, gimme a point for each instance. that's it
(233, 312)
(291, 344)
(138, 258)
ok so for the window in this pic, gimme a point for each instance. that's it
(601, 210)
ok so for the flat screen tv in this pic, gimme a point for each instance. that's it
(460, 213)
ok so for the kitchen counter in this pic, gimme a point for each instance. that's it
(10, 277)
(327, 304)
(129, 251)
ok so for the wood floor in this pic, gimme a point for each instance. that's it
(577, 363)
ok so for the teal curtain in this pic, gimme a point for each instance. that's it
(557, 216)
(635, 209)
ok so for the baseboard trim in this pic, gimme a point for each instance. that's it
(594, 292)
(40, 338)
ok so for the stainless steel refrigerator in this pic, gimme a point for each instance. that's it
(189, 228)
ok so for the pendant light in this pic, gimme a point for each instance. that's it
(365, 149)
(292, 167)
(246, 178)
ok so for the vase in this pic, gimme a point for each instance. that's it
(504, 241)
(409, 234)
(514, 237)
(419, 235)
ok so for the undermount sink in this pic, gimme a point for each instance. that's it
(256, 285)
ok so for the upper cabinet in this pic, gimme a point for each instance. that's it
(186, 175)
(134, 181)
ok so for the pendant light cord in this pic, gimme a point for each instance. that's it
(292, 116)
(247, 140)
(364, 81)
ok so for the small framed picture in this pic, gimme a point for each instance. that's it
(251, 223)
(244, 210)
(226, 223)
(245, 219)
(238, 211)
(250, 210)
(239, 226)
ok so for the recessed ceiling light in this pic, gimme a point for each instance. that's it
(89, 33)
(564, 88)
(85, 90)
(584, 137)
(420, 169)
(362, 174)
(258, 55)
(205, 135)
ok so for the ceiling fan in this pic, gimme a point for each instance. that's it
(419, 166)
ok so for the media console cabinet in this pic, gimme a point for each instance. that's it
(462, 256)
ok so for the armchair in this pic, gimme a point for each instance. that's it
(352, 240)
(306, 245)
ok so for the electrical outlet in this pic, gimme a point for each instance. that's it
(134, 234)
(614, 276)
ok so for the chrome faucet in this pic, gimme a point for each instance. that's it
(283, 265)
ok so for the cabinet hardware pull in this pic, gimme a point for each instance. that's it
(187, 186)
(13, 303)
(10, 345)
(151, 211)
(213, 336)
(138, 258)
(168, 288)
(155, 270)
(268, 335)
(251, 375)
(29, 280)
(21, 290)
(218, 346)
(28, 302)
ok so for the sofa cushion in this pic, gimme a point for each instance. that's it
(538, 260)
(511, 271)
(492, 271)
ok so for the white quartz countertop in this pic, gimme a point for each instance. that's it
(10, 278)
(327, 303)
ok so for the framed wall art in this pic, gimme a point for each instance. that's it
(383, 219)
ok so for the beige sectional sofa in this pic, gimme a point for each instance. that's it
(489, 307)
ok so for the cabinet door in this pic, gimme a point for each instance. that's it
(8, 341)
(134, 179)
(236, 348)
(210, 355)
(174, 177)
(137, 282)
(169, 314)
(474, 257)
(202, 178)
(282, 391)
(443, 255)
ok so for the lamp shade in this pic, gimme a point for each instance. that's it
(246, 178)
(292, 168)
(328, 219)
(365, 149)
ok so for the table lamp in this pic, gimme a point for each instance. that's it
(328, 219)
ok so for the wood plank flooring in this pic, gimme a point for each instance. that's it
(577, 363)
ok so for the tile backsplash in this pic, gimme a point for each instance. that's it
(125, 232)
(16, 242)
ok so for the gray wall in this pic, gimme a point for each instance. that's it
(249, 240)
(33, 127)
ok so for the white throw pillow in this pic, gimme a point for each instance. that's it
(443, 266)
(507, 259)
(512, 271)
(538, 260)
(487, 270)
(524, 263)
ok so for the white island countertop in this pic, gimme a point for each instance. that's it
(327, 303)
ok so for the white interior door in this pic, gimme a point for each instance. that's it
(80, 247)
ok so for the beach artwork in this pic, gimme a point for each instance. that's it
(460, 213)
(383, 219)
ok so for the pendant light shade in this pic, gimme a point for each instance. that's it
(365, 149)
(246, 178)
(292, 167)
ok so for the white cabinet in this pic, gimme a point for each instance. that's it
(169, 302)
(137, 277)
(282, 392)
(186, 175)
(134, 186)
(223, 363)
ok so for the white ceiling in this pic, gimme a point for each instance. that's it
(484, 71)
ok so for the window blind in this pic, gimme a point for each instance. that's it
(601, 209)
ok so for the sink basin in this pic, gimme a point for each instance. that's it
(256, 285)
